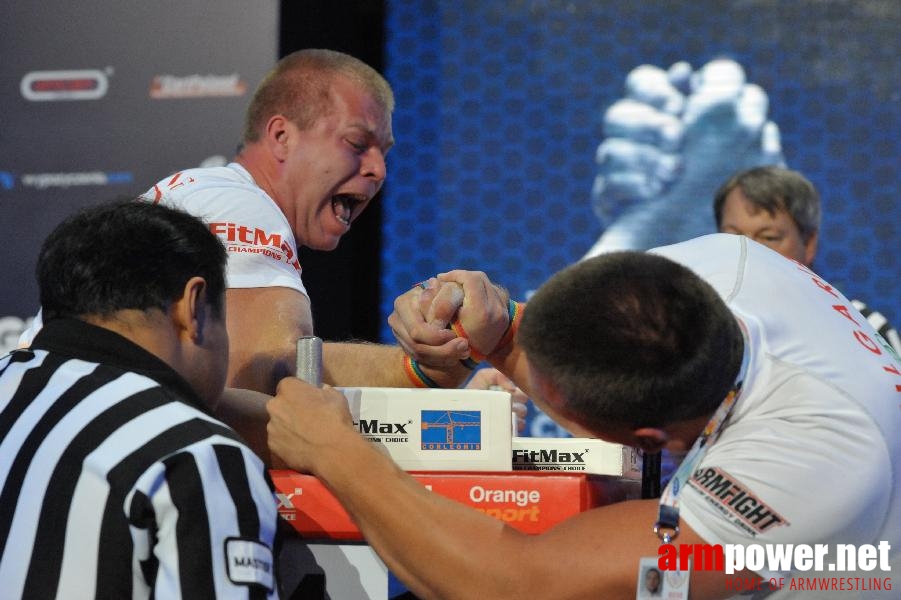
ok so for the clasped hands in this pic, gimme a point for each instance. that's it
(451, 317)
(456, 316)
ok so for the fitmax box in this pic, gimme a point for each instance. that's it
(436, 429)
(576, 455)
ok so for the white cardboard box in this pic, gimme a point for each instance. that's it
(579, 455)
(436, 429)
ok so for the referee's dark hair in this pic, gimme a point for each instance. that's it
(127, 254)
(632, 338)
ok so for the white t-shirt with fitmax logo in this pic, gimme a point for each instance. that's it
(261, 248)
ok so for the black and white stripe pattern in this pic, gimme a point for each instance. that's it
(880, 324)
(112, 487)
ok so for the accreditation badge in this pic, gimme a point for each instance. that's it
(654, 582)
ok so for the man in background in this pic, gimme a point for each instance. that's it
(780, 208)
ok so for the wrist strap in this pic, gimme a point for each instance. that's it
(416, 375)
(514, 316)
(475, 357)
(515, 312)
(469, 363)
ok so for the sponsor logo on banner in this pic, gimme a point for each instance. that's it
(7, 180)
(51, 86)
(42, 181)
(196, 86)
(451, 430)
(735, 501)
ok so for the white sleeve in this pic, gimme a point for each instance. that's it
(254, 270)
(215, 524)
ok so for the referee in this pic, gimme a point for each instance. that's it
(115, 480)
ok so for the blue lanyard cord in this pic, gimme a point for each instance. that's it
(667, 526)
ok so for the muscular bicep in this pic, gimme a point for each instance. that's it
(263, 327)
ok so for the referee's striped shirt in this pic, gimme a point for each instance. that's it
(115, 481)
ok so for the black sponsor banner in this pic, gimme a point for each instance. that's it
(100, 100)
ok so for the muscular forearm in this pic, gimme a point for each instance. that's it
(511, 361)
(439, 548)
(444, 549)
(376, 365)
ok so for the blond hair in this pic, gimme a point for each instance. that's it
(299, 87)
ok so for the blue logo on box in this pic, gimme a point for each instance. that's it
(451, 430)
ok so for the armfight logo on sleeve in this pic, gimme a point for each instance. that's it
(249, 562)
(451, 430)
(735, 501)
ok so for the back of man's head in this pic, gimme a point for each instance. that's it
(127, 255)
(299, 87)
(775, 189)
(632, 339)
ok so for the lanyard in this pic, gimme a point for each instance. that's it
(667, 526)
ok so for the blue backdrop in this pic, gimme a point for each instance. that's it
(499, 109)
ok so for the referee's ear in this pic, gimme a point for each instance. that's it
(190, 312)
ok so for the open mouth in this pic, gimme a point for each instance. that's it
(347, 206)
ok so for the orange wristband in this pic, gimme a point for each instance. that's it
(514, 313)
(416, 375)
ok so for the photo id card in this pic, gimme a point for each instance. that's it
(654, 582)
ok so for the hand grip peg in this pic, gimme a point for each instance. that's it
(309, 360)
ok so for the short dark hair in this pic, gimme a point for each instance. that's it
(773, 189)
(634, 339)
(127, 254)
(299, 87)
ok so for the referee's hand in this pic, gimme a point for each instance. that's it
(306, 422)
